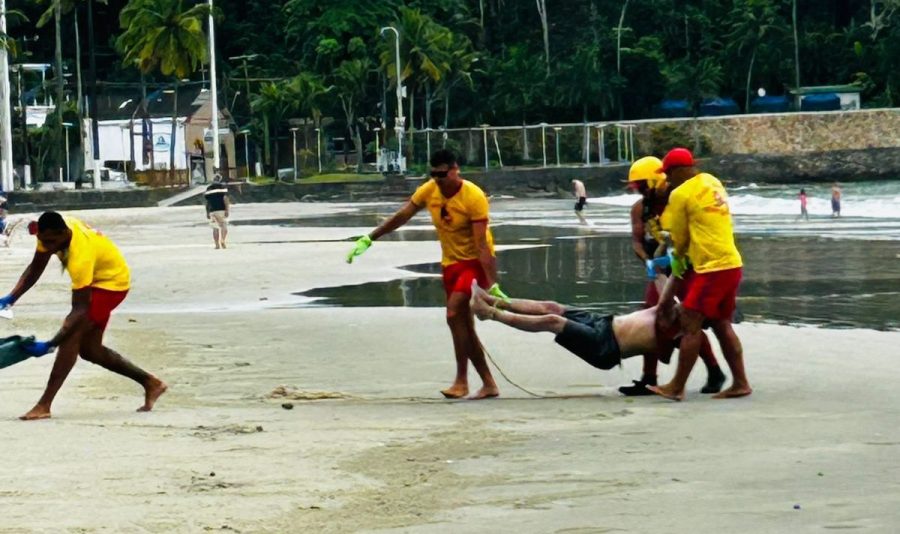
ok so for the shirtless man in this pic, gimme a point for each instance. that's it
(100, 282)
(648, 243)
(580, 199)
(835, 200)
(600, 340)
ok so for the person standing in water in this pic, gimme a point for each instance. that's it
(803, 212)
(835, 200)
(580, 199)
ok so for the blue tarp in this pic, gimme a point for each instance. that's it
(719, 106)
(821, 102)
(770, 104)
(673, 108)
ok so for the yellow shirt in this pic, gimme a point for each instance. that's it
(92, 259)
(453, 218)
(699, 220)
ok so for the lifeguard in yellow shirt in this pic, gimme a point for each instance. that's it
(699, 221)
(460, 214)
(100, 282)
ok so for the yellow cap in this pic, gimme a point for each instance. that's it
(647, 168)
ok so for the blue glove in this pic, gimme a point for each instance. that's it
(7, 301)
(659, 263)
(38, 348)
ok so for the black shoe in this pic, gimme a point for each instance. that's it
(714, 381)
(638, 389)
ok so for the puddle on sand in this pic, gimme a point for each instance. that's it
(833, 283)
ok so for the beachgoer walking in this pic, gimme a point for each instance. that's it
(218, 208)
(835, 200)
(648, 243)
(100, 282)
(460, 214)
(580, 199)
(699, 221)
(803, 212)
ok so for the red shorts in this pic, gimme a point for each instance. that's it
(712, 294)
(458, 277)
(103, 302)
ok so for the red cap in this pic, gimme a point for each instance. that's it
(677, 157)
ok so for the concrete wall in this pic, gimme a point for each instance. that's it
(784, 133)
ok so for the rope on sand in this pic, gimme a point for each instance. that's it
(508, 379)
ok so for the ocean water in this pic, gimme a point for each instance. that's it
(836, 273)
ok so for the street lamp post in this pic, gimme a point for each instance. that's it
(377, 150)
(557, 129)
(5, 110)
(246, 134)
(67, 125)
(400, 118)
(296, 171)
(213, 88)
(319, 148)
(544, 141)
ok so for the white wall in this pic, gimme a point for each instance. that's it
(115, 144)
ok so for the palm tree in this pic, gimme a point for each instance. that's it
(351, 79)
(168, 36)
(753, 22)
(423, 43)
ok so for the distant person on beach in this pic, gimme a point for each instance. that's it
(706, 262)
(580, 199)
(460, 214)
(100, 282)
(649, 242)
(803, 212)
(835, 200)
(218, 208)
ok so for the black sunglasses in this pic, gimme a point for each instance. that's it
(439, 174)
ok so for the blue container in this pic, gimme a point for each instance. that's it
(821, 102)
(714, 107)
(770, 104)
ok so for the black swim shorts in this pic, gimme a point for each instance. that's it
(589, 335)
(580, 204)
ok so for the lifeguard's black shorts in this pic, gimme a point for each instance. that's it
(589, 335)
(580, 204)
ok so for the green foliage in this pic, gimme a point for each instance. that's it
(163, 35)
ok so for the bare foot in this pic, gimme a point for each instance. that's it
(486, 392)
(734, 392)
(456, 391)
(152, 391)
(668, 392)
(38, 412)
(218, 247)
(223, 245)
(479, 307)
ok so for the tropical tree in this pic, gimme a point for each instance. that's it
(165, 36)
(351, 79)
(754, 24)
(461, 61)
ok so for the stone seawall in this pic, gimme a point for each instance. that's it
(734, 169)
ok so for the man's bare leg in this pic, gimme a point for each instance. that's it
(66, 355)
(216, 237)
(520, 306)
(715, 378)
(224, 232)
(688, 352)
(93, 350)
(548, 322)
(734, 355)
(476, 355)
(456, 321)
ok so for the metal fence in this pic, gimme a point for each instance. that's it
(541, 145)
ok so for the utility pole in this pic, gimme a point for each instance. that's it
(213, 88)
(92, 98)
(400, 119)
(6, 163)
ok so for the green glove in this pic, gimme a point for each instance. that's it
(495, 291)
(680, 265)
(362, 244)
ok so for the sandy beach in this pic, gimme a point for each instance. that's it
(368, 445)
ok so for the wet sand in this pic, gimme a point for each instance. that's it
(388, 455)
